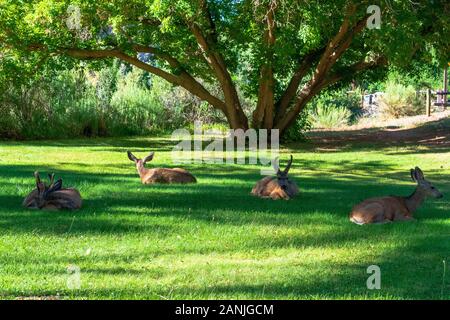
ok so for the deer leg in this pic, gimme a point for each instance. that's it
(402, 217)
(277, 194)
(382, 221)
(274, 195)
(50, 207)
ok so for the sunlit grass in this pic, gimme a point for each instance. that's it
(214, 240)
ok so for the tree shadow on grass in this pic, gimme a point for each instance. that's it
(70, 223)
(413, 270)
(229, 203)
(121, 142)
(434, 134)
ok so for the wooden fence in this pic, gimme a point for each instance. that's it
(440, 101)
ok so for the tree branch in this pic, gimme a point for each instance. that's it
(173, 62)
(291, 90)
(350, 71)
(265, 105)
(184, 79)
(215, 60)
(334, 50)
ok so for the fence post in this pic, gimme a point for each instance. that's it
(445, 87)
(362, 99)
(428, 103)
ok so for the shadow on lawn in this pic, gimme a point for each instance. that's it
(117, 204)
(410, 271)
(120, 143)
(122, 197)
(434, 134)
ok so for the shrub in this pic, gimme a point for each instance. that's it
(327, 116)
(47, 107)
(297, 131)
(133, 111)
(399, 101)
(342, 98)
(111, 102)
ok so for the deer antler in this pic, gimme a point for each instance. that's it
(288, 167)
(51, 177)
(54, 187)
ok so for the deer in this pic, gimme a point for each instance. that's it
(277, 188)
(395, 208)
(160, 175)
(53, 196)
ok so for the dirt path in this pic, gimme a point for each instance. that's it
(420, 130)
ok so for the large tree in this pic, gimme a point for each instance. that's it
(284, 52)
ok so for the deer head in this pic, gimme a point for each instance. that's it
(43, 192)
(424, 186)
(140, 163)
(282, 176)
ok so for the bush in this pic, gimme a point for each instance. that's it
(342, 98)
(114, 101)
(399, 101)
(296, 132)
(329, 116)
(56, 106)
(133, 111)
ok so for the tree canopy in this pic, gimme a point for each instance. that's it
(283, 52)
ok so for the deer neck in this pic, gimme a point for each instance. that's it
(142, 171)
(415, 200)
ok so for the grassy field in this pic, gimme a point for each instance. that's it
(214, 240)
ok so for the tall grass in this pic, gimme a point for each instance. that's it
(399, 101)
(330, 116)
(114, 101)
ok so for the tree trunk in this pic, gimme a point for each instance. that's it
(263, 114)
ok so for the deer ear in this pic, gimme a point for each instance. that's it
(38, 181)
(55, 187)
(38, 178)
(149, 157)
(413, 175)
(131, 156)
(288, 167)
(419, 174)
(39, 185)
(51, 177)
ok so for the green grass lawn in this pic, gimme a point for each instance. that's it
(214, 240)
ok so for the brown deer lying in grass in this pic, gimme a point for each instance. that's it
(53, 196)
(276, 188)
(387, 209)
(160, 175)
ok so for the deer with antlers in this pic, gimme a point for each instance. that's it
(160, 175)
(280, 187)
(394, 208)
(53, 196)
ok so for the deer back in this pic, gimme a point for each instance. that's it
(394, 208)
(31, 200)
(64, 199)
(58, 200)
(164, 175)
(269, 187)
(377, 210)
